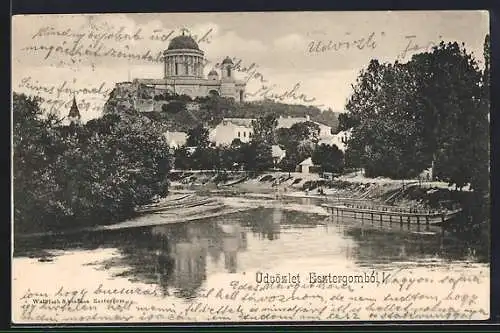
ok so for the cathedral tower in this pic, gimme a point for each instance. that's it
(227, 70)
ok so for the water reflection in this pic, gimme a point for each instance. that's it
(265, 223)
(186, 248)
(385, 243)
(180, 257)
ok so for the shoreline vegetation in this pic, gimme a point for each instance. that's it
(197, 195)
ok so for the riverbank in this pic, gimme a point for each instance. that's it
(408, 192)
(201, 195)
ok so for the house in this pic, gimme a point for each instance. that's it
(287, 122)
(232, 128)
(241, 128)
(306, 165)
(277, 153)
(175, 139)
(340, 139)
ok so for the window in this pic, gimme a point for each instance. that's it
(187, 69)
(244, 134)
(238, 134)
(249, 134)
(176, 69)
(229, 71)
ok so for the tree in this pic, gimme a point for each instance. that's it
(257, 156)
(198, 137)
(205, 158)
(299, 142)
(386, 141)
(418, 114)
(35, 149)
(329, 158)
(291, 160)
(448, 90)
(264, 129)
(174, 106)
(486, 72)
(236, 143)
(258, 153)
(306, 131)
(347, 121)
(182, 159)
(91, 174)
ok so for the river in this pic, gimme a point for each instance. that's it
(188, 264)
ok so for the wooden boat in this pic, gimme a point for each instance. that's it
(391, 214)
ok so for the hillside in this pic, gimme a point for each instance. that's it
(180, 113)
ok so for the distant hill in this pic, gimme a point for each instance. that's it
(180, 113)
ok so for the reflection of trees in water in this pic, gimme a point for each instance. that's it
(386, 241)
(170, 255)
(378, 245)
(190, 267)
(191, 243)
(265, 223)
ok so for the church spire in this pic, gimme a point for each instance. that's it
(74, 114)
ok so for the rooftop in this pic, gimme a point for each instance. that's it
(307, 161)
(245, 122)
(74, 112)
(287, 122)
(183, 42)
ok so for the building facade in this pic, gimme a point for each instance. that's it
(175, 139)
(183, 73)
(340, 140)
(230, 129)
(241, 128)
(287, 122)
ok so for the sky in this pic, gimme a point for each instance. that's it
(287, 50)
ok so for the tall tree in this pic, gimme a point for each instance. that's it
(299, 142)
(347, 121)
(198, 137)
(448, 89)
(264, 129)
(417, 114)
(329, 158)
(386, 140)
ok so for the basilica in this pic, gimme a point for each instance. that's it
(183, 73)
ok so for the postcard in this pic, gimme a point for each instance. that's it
(250, 167)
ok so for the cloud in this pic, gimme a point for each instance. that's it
(233, 45)
(329, 89)
(291, 42)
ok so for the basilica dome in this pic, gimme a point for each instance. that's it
(183, 42)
